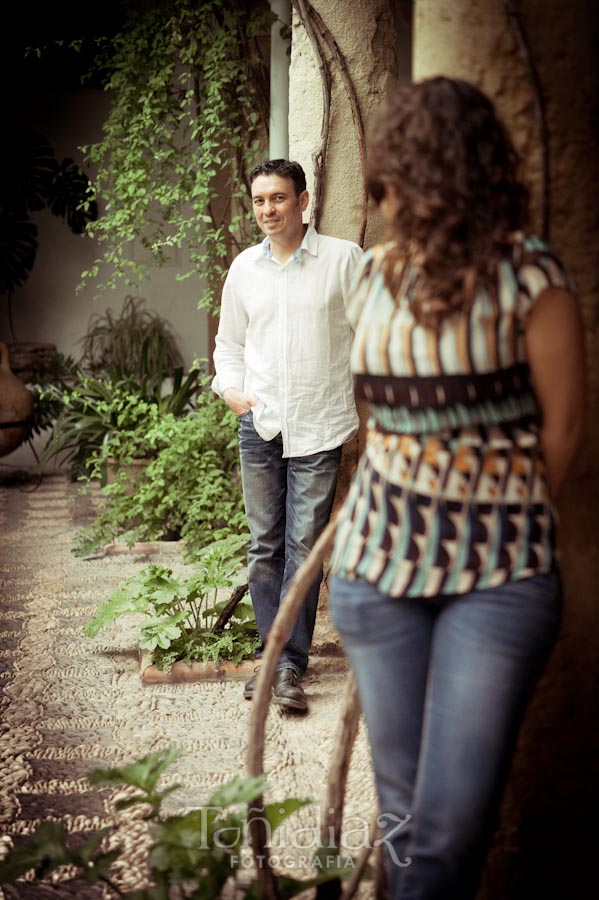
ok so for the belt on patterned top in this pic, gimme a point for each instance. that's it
(438, 391)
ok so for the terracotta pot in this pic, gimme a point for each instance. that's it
(16, 407)
(31, 360)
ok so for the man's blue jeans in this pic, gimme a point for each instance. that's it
(288, 502)
(443, 685)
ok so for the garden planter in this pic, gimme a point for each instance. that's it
(182, 673)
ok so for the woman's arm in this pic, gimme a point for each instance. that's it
(555, 346)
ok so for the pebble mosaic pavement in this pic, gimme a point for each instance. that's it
(70, 704)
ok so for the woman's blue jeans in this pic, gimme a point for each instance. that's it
(288, 501)
(443, 684)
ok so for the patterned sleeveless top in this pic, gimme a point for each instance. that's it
(450, 493)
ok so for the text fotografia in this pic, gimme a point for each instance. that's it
(297, 846)
(328, 862)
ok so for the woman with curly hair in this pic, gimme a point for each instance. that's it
(445, 582)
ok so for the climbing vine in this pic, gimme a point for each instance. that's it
(189, 107)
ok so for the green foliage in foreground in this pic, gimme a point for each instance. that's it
(193, 855)
(180, 615)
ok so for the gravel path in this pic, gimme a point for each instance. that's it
(70, 704)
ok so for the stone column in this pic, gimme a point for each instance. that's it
(366, 35)
(544, 844)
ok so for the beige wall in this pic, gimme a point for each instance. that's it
(49, 307)
(544, 848)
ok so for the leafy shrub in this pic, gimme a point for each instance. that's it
(90, 410)
(189, 489)
(182, 615)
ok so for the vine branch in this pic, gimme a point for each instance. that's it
(540, 111)
(339, 767)
(228, 610)
(355, 878)
(321, 37)
(279, 632)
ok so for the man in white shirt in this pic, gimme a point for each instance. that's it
(282, 363)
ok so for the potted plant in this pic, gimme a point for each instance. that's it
(16, 408)
(93, 408)
(135, 342)
(130, 367)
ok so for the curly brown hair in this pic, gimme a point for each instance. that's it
(439, 150)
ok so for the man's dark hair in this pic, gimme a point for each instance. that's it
(285, 168)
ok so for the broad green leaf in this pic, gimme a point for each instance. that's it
(276, 813)
(143, 773)
(242, 789)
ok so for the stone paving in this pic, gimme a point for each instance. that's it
(70, 704)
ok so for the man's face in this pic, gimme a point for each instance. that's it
(278, 209)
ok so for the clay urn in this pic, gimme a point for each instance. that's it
(16, 407)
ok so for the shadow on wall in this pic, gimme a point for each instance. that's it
(546, 845)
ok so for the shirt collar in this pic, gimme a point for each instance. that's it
(309, 243)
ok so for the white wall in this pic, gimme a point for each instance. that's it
(49, 306)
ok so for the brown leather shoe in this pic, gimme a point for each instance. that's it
(287, 691)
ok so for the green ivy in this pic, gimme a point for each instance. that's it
(188, 118)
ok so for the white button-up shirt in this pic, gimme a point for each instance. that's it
(285, 339)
